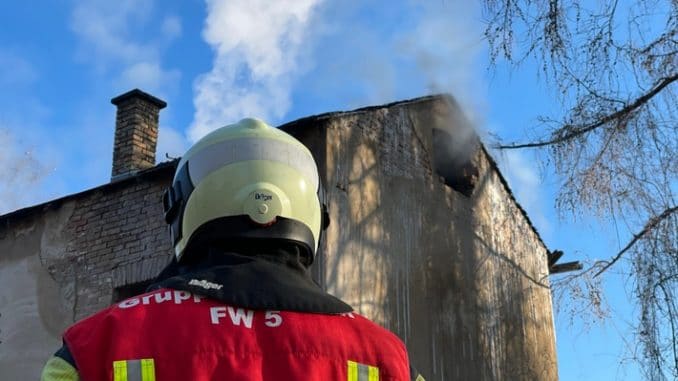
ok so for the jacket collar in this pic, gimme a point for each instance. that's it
(264, 279)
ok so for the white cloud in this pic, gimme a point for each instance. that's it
(112, 39)
(149, 76)
(106, 30)
(171, 27)
(257, 46)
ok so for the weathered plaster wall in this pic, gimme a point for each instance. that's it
(62, 263)
(463, 280)
(34, 309)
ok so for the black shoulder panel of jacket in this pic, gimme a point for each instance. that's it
(65, 354)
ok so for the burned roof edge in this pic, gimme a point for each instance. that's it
(327, 115)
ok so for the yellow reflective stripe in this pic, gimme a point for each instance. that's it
(141, 370)
(362, 372)
(420, 378)
(352, 371)
(373, 373)
(120, 370)
(147, 370)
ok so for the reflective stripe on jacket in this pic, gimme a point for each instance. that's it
(170, 335)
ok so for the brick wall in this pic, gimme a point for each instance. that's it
(119, 238)
(136, 132)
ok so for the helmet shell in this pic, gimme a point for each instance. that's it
(245, 169)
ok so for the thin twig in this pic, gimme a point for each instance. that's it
(651, 224)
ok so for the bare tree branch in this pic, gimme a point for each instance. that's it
(651, 224)
(573, 132)
(613, 146)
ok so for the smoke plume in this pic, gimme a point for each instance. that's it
(257, 45)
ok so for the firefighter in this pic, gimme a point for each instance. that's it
(237, 301)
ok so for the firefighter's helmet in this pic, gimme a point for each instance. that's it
(241, 182)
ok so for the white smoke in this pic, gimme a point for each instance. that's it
(23, 167)
(257, 46)
(446, 45)
(21, 173)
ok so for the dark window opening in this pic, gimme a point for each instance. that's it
(453, 159)
(129, 290)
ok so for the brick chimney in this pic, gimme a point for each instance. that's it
(136, 132)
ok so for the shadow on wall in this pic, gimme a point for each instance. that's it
(458, 275)
(514, 311)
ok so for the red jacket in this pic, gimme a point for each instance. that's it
(170, 335)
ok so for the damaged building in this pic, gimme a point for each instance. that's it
(426, 239)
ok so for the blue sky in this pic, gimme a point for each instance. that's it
(217, 61)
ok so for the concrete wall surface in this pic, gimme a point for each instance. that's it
(460, 276)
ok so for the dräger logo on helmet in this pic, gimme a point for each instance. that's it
(262, 196)
(205, 284)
